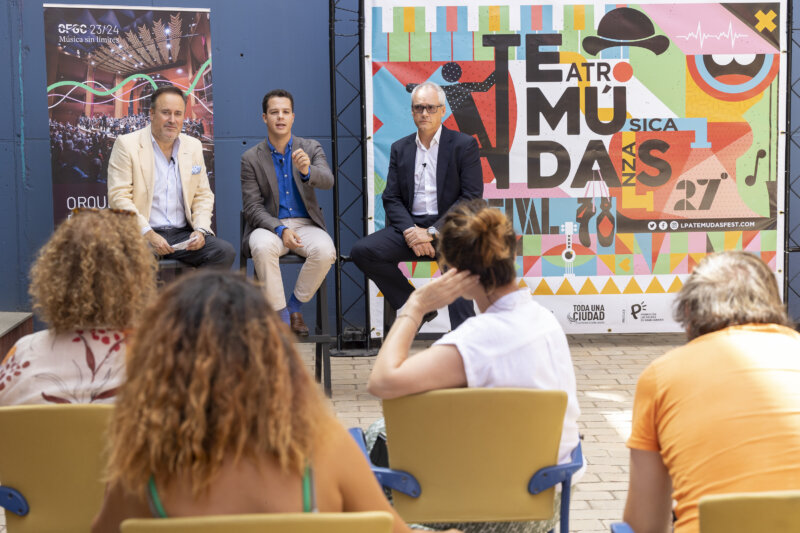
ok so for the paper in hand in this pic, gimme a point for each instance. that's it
(185, 244)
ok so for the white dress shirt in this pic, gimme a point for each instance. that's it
(168, 209)
(425, 202)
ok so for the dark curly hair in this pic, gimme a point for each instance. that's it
(96, 270)
(212, 372)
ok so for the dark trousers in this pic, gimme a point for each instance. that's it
(377, 256)
(215, 253)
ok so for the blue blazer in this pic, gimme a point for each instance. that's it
(458, 176)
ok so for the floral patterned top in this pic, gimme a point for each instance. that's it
(83, 366)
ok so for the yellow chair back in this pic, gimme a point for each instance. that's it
(53, 455)
(776, 512)
(474, 451)
(366, 522)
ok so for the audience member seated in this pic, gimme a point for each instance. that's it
(77, 154)
(514, 342)
(129, 123)
(722, 413)
(89, 284)
(219, 416)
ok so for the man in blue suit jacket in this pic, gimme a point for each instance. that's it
(429, 172)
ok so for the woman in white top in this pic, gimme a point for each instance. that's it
(513, 342)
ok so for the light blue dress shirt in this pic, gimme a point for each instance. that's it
(168, 209)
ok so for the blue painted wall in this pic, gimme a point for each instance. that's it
(258, 45)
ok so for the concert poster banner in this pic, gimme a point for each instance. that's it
(624, 141)
(103, 64)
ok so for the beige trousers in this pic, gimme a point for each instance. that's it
(267, 248)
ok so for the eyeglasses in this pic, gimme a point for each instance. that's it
(420, 108)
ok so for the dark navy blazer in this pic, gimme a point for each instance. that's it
(458, 176)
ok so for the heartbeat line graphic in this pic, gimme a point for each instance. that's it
(699, 34)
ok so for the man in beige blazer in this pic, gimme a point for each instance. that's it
(159, 174)
(279, 178)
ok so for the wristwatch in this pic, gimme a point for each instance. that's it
(204, 231)
(433, 232)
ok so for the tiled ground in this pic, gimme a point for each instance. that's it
(606, 367)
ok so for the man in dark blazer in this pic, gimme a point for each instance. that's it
(281, 212)
(429, 172)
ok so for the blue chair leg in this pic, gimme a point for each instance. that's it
(565, 497)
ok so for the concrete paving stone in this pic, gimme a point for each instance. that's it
(618, 461)
(600, 431)
(597, 382)
(613, 476)
(347, 409)
(608, 439)
(610, 486)
(585, 514)
(590, 452)
(617, 451)
(607, 469)
(578, 504)
(586, 526)
(601, 423)
(590, 417)
(616, 505)
(589, 495)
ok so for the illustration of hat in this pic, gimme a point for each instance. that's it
(625, 26)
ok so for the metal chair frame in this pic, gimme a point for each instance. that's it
(321, 336)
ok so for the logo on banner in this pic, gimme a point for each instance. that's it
(587, 314)
(639, 312)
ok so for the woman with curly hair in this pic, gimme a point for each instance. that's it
(89, 284)
(219, 416)
(513, 342)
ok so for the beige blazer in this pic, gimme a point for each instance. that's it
(131, 170)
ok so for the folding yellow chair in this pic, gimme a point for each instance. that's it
(477, 455)
(366, 522)
(776, 512)
(51, 464)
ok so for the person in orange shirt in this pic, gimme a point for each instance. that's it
(720, 414)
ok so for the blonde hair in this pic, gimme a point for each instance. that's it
(212, 372)
(96, 270)
(480, 239)
(728, 289)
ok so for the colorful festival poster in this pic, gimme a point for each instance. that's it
(103, 63)
(624, 141)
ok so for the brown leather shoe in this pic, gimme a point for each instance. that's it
(298, 325)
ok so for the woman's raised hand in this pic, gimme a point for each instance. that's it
(444, 290)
